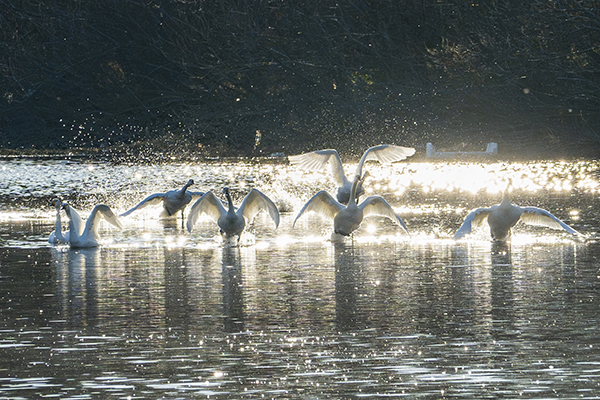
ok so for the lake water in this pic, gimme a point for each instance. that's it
(156, 312)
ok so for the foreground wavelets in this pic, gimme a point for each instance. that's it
(296, 315)
(159, 312)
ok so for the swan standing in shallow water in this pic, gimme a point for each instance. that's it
(502, 217)
(317, 160)
(173, 201)
(57, 236)
(83, 237)
(346, 219)
(230, 221)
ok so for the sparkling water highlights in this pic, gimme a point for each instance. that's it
(157, 312)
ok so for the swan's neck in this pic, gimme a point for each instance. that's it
(505, 199)
(184, 188)
(352, 200)
(229, 202)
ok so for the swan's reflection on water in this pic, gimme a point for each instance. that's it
(502, 292)
(172, 225)
(233, 290)
(176, 291)
(161, 313)
(77, 289)
(348, 280)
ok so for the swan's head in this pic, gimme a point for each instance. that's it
(190, 182)
(56, 203)
(225, 190)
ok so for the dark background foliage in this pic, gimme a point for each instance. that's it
(249, 78)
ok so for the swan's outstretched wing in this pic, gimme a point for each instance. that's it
(75, 222)
(98, 212)
(153, 199)
(376, 205)
(196, 195)
(540, 217)
(254, 202)
(208, 204)
(385, 154)
(322, 203)
(318, 160)
(473, 220)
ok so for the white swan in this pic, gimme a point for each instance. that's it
(502, 217)
(317, 160)
(346, 219)
(173, 201)
(57, 236)
(83, 237)
(230, 221)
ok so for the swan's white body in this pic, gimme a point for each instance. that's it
(57, 236)
(230, 221)
(502, 217)
(84, 237)
(346, 219)
(173, 201)
(318, 160)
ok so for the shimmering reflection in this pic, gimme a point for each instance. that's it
(502, 293)
(431, 197)
(233, 303)
(347, 287)
(159, 313)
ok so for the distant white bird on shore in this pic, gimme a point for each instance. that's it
(502, 217)
(173, 201)
(318, 160)
(57, 236)
(346, 219)
(230, 221)
(85, 237)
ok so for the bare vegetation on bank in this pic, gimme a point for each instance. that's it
(251, 78)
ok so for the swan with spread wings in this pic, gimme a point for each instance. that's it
(231, 221)
(173, 201)
(347, 218)
(318, 161)
(502, 217)
(80, 236)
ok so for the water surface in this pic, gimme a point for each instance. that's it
(156, 312)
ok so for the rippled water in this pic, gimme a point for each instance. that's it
(159, 313)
